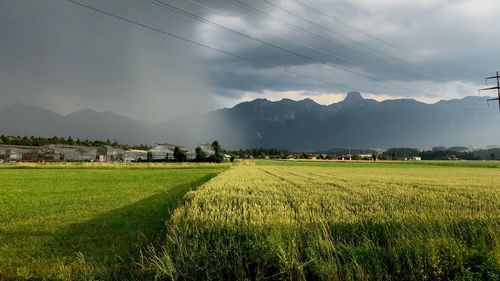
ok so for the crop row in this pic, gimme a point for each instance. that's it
(338, 223)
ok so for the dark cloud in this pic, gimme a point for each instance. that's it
(63, 57)
(447, 39)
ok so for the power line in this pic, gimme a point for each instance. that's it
(334, 32)
(284, 70)
(308, 47)
(319, 36)
(497, 88)
(244, 35)
(365, 33)
(360, 31)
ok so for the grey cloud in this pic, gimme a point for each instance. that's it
(438, 30)
(60, 56)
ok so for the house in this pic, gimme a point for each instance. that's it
(312, 157)
(226, 158)
(416, 158)
(342, 157)
(366, 156)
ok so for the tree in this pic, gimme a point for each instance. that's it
(356, 157)
(200, 154)
(218, 157)
(179, 154)
(149, 156)
(493, 156)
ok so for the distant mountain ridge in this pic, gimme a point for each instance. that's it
(297, 125)
(19, 119)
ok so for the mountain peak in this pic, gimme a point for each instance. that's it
(353, 97)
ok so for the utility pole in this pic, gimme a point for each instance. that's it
(497, 77)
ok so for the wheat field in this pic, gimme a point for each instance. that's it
(300, 221)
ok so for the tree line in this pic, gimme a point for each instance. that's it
(260, 153)
(436, 153)
(441, 153)
(41, 141)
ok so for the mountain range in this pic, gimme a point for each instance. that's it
(296, 125)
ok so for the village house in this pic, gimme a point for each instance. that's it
(366, 156)
(342, 157)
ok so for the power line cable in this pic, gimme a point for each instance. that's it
(213, 11)
(365, 33)
(244, 35)
(319, 36)
(181, 38)
(329, 30)
(359, 30)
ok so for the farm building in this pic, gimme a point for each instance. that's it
(110, 154)
(2, 153)
(166, 152)
(208, 149)
(71, 153)
(163, 152)
(342, 157)
(135, 155)
(14, 153)
(366, 156)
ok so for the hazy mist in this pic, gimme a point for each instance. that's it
(65, 58)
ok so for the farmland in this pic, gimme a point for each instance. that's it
(71, 221)
(338, 221)
(255, 220)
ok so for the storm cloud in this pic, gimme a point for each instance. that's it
(63, 57)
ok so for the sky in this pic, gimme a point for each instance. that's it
(64, 57)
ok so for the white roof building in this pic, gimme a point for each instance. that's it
(135, 155)
(165, 151)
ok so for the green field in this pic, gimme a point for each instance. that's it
(74, 221)
(256, 220)
(339, 221)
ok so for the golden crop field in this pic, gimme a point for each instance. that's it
(338, 222)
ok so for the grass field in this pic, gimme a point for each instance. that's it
(339, 221)
(79, 221)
